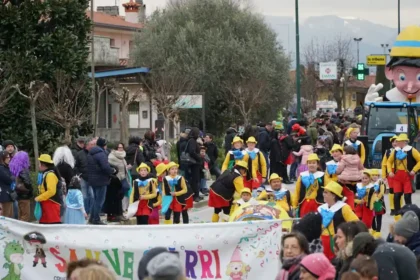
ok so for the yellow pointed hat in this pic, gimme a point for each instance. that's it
(402, 137)
(246, 190)
(171, 164)
(237, 139)
(143, 165)
(312, 157)
(337, 147)
(407, 43)
(274, 176)
(160, 168)
(252, 140)
(242, 163)
(335, 188)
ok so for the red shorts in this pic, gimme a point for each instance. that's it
(251, 184)
(50, 212)
(307, 206)
(154, 216)
(216, 201)
(364, 214)
(402, 182)
(349, 194)
(143, 208)
(176, 206)
(189, 202)
(326, 243)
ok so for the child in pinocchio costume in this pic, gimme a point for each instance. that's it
(157, 202)
(176, 186)
(378, 202)
(236, 154)
(331, 166)
(257, 166)
(277, 193)
(223, 189)
(308, 193)
(352, 133)
(364, 200)
(385, 176)
(405, 161)
(334, 212)
(145, 191)
(246, 198)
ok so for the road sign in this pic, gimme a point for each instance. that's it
(328, 70)
(360, 72)
(373, 60)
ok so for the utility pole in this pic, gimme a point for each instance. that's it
(297, 61)
(399, 17)
(358, 40)
(92, 69)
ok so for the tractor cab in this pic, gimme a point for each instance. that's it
(386, 119)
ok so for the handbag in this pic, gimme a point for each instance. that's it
(38, 211)
(166, 202)
(186, 158)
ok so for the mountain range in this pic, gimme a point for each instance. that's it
(323, 28)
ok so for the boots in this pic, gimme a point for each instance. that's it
(215, 218)
(397, 218)
(44, 264)
(167, 222)
(35, 263)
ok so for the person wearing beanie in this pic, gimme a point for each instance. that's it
(406, 232)
(395, 262)
(100, 172)
(160, 264)
(317, 266)
(310, 227)
(334, 212)
(9, 147)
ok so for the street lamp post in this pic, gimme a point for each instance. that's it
(358, 40)
(297, 60)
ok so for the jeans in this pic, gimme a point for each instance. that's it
(99, 194)
(293, 169)
(203, 185)
(214, 170)
(87, 193)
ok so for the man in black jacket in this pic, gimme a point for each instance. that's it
(213, 154)
(231, 132)
(194, 151)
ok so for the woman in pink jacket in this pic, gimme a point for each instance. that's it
(304, 152)
(350, 166)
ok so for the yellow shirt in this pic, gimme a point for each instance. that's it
(282, 203)
(258, 163)
(144, 191)
(311, 191)
(402, 164)
(183, 190)
(328, 178)
(225, 164)
(346, 212)
(384, 165)
(51, 182)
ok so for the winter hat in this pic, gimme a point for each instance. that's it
(360, 241)
(159, 262)
(309, 226)
(319, 266)
(8, 143)
(236, 257)
(408, 225)
(410, 207)
(101, 142)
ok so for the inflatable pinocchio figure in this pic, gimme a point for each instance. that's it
(403, 163)
(236, 154)
(257, 165)
(352, 132)
(308, 194)
(385, 173)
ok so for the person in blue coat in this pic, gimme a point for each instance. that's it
(100, 172)
(75, 211)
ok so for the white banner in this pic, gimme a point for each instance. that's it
(209, 251)
(328, 70)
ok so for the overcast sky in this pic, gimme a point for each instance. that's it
(378, 11)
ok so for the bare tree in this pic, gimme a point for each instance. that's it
(247, 95)
(6, 91)
(35, 89)
(337, 49)
(165, 89)
(65, 102)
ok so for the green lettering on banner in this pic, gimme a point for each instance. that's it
(128, 265)
(115, 264)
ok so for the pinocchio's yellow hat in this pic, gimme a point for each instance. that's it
(242, 163)
(45, 158)
(407, 43)
(335, 188)
(246, 190)
(313, 157)
(171, 164)
(160, 168)
(252, 140)
(403, 137)
(336, 147)
(143, 165)
(237, 139)
(274, 176)
(393, 138)
(367, 172)
(374, 172)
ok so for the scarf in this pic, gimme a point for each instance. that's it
(289, 266)
(237, 154)
(401, 155)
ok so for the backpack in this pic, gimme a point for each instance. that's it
(59, 194)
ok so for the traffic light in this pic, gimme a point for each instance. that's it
(360, 72)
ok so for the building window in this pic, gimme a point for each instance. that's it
(353, 97)
(112, 42)
(133, 108)
(144, 114)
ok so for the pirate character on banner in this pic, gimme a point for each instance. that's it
(403, 69)
(37, 239)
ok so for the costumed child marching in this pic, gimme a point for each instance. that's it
(352, 132)
(363, 200)
(223, 190)
(277, 193)
(331, 166)
(334, 212)
(405, 161)
(236, 154)
(308, 194)
(157, 202)
(75, 210)
(175, 196)
(378, 202)
(385, 173)
(144, 191)
(257, 166)
(246, 197)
